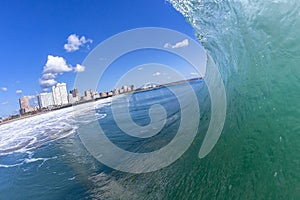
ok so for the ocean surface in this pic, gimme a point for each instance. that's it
(43, 157)
(256, 46)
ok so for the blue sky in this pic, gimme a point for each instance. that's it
(30, 31)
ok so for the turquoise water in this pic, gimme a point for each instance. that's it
(255, 45)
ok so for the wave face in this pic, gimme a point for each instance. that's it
(256, 46)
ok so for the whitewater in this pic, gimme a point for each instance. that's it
(256, 47)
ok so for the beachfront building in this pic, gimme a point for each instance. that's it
(103, 94)
(76, 95)
(124, 88)
(110, 93)
(25, 106)
(97, 95)
(60, 94)
(45, 100)
(132, 87)
(116, 91)
(71, 99)
(87, 95)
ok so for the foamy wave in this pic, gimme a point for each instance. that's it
(30, 133)
(26, 161)
(9, 166)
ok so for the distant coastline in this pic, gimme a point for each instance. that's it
(20, 117)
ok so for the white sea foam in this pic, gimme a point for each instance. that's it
(8, 166)
(29, 133)
(27, 160)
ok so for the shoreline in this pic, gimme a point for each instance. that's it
(97, 99)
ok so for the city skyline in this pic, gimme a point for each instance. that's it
(51, 47)
(60, 97)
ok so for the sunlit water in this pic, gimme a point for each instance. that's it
(43, 157)
(255, 45)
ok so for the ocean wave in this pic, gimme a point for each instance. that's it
(27, 159)
(30, 133)
(255, 45)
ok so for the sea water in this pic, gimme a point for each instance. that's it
(255, 45)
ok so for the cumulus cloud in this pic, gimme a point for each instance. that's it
(74, 42)
(46, 83)
(19, 91)
(48, 76)
(4, 89)
(56, 64)
(183, 43)
(79, 68)
(156, 74)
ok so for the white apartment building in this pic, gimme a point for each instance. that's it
(45, 100)
(60, 94)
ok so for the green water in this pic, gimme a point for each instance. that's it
(256, 46)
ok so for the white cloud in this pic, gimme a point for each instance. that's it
(4, 103)
(79, 68)
(183, 43)
(46, 83)
(167, 45)
(74, 42)
(19, 91)
(140, 68)
(4, 89)
(156, 74)
(56, 64)
(47, 76)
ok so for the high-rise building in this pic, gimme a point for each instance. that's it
(75, 93)
(75, 96)
(45, 100)
(124, 88)
(71, 98)
(132, 87)
(116, 91)
(24, 105)
(60, 94)
(56, 96)
(89, 94)
(93, 93)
